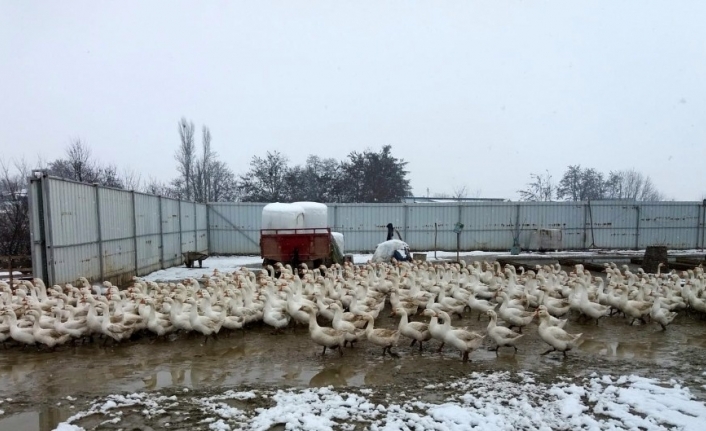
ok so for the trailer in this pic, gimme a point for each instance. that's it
(312, 246)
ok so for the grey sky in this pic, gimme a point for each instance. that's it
(474, 93)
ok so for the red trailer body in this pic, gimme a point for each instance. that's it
(295, 246)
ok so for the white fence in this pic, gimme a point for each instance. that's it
(107, 234)
(234, 228)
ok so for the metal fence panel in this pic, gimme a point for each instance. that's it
(70, 263)
(234, 228)
(612, 225)
(172, 249)
(147, 214)
(170, 216)
(676, 224)
(488, 226)
(149, 254)
(567, 217)
(425, 222)
(73, 219)
(118, 258)
(116, 213)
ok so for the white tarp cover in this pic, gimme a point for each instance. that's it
(384, 250)
(282, 216)
(315, 214)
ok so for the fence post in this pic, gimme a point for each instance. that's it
(335, 216)
(181, 245)
(702, 213)
(637, 227)
(134, 229)
(208, 228)
(196, 231)
(585, 229)
(50, 235)
(41, 212)
(460, 217)
(405, 221)
(161, 234)
(100, 234)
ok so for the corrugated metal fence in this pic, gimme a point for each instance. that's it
(235, 227)
(107, 234)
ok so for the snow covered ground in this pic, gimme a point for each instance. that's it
(487, 401)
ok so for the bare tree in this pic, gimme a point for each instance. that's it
(632, 185)
(541, 188)
(185, 156)
(131, 180)
(459, 192)
(78, 165)
(14, 209)
(159, 188)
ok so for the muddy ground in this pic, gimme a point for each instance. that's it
(39, 389)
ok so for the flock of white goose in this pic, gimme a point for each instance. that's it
(347, 300)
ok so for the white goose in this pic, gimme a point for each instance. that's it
(49, 337)
(352, 333)
(22, 335)
(385, 338)
(660, 314)
(557, 338)
(516, 317)
(417, 331)
(501, 335)
(464, 340)
(324, 336)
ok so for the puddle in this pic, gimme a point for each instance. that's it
(44, 419)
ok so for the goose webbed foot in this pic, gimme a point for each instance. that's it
(393, 354)
(548, 351)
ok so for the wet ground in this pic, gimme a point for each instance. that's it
(39, 389)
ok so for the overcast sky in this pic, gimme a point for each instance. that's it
(471, 93)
